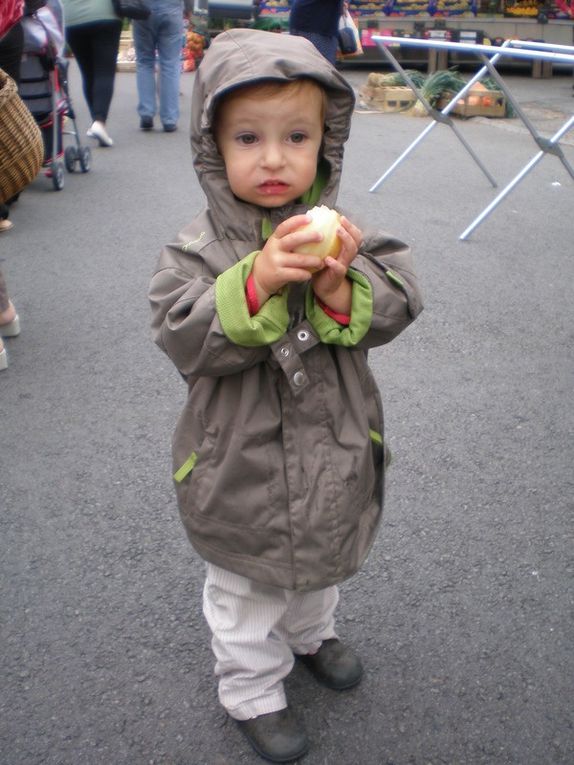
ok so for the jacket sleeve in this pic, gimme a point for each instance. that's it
(201, 320)
(386, 297)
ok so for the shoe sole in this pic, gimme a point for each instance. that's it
(266, 756)
(270, 757)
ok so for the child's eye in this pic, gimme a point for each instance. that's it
(246, 139)
(298, 137)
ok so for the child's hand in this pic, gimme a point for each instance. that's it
(277, 264)
(330, 284)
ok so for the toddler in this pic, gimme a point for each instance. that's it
(279, 455)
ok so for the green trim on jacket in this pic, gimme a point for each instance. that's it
(266, 327)
(329, 330)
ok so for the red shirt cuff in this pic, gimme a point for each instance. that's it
(251, 296)
(341, 318)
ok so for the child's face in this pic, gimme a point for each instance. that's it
(270, 144)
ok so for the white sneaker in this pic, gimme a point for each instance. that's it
(11, 329)
(98, 131)
(3, 359)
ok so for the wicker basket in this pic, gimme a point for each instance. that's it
(21, 145)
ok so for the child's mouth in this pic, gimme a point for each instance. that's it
(273, 187)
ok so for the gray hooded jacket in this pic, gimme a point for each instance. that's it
(279, 452)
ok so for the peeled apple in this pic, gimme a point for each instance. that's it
(325, 220)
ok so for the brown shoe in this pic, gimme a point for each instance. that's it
(334, 665)
(276, 736)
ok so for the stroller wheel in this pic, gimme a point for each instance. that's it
(70, 158)
(85, 157)
(58, 175)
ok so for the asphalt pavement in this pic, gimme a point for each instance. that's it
(463, 613)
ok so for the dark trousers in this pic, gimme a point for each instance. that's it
(95, 47)
(11, 47)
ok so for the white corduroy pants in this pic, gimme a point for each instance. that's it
(256, 630)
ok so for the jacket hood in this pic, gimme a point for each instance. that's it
(242, 57)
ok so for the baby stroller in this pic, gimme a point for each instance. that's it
(44, 90)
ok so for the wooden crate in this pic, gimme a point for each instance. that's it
(387, 98)
(477, 103)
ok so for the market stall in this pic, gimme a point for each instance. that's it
(472, 21)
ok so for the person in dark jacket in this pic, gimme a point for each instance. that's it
(279, 453)
(318, 21)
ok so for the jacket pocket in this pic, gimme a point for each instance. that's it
(189, 476)
(234, 478)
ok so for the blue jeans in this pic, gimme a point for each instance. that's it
(161, 32)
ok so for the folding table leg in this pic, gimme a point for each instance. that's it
(442, 117)
(534, 161)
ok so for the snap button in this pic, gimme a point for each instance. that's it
(303, 335)
(284, 351)
(299, 378)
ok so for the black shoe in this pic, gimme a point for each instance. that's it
(277, 736)
(334, 665)
(146, 123)
(169, 128)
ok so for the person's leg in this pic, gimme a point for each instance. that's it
(309, 620)
(5, 224)
(170, 35)
(4, 305)
(9, 321)
(78, 38)
(4, 299)
(251, 660)
(308, 626)
(105, 43)
(145, 45)
(11, 47)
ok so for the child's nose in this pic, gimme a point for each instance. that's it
(273, 155)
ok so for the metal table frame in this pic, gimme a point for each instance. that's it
(489, 55)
